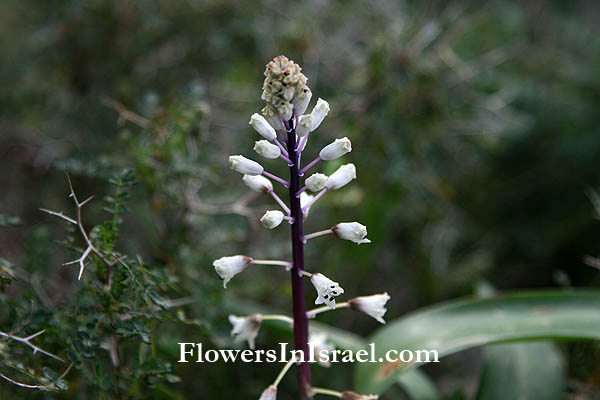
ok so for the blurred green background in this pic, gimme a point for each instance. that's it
(475, 135)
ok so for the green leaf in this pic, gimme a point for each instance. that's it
(418, 385)
(524, 371)
(458, 325)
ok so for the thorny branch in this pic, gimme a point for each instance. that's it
(27, 341)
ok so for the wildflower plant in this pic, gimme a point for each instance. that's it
(285, 129)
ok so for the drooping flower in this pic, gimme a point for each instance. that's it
(373, 305)
(317, 344)
(319, 113)
(269, 393)
(305, 124)
(316, 182)
(244, 165)
(334, 150)
(352, 231)
(266, 149)
(264, 129)
(228, 267)
(305, 198)
(341, 177)
(347, 395)
(245, 328)
(301, 101)
(272, 219)
(258, 183)
(327, 290)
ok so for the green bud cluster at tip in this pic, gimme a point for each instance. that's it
(284, 82)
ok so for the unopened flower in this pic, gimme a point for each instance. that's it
(228, 267)
(301, 101)
(270, 393)
(264, 129)
(285, 111)
(341, 176)
(347, 395)
(318, 344)
(373, 305)
(245, 328)
(258, 183)
(336, 149)
(272, 117)
(316, 182)
(352, 231)
(266, 149)
(244, 165)
(305, 124)
(327, 290)
(319, 113)
(272, 219)
(305, 198)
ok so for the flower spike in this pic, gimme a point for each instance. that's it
(327, 290)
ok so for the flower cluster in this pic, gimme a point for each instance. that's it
(285, 127)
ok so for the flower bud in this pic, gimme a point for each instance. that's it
(258, 183)
(272, 219)
(301, 101)
(260, 124)
(316, 182)
(352, 231)
(327, 290)
(228, 267)
(334, 150)
(373, 305)
(285, 111)
(245, 328)
(305, 124)
(270, 393)
(266, 149)
(347, 395)
(319, 113)
(244, 165)
(272, 117)
(341, 176)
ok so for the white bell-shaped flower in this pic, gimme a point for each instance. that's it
(301, 101)
(269, 393)
(319, 113)
(244, 165)
(334, 150)
(352, 231)
(327, 290)
(373, 305)
(285, 111)
(272, 219)
(305, 124)
(258, 183)
(316, 182)
(266, 149)
(273, 118)
(264, 129)
(228, 267)
(305, 198)
(318, 345)
(341, 176)
(245, 328)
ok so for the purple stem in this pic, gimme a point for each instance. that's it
(310, 165)
(281, 203)
(301, 146)
(276, 178)
(283, 150)
(280, 132)
(299, 306)
(317, 197)
(287, 160)
(300, 191)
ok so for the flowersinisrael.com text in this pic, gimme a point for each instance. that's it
(194, 352)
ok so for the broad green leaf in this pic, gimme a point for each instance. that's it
(458, 325)
(522, 371)
(418, 385)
